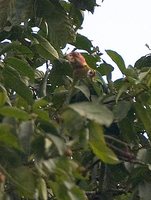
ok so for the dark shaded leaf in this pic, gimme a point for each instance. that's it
(121, 110)
(24, 181)
(59, 72)
(144, 155)
(144, 115)
(13, 81)
(60, 27)
(105, 69)
(117, 59)
(84, 4)
(84, 89)
(58, 142)
(143, 62)
(144, 190)
(21, 66)
(18, 48)
(83, 42)
(7, 137)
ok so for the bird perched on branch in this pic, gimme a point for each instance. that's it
(80, 66)
(82, 70)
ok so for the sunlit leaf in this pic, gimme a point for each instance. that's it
(96, 112)
(45, 47)
(42, 188)
(26, 130)
(14, 112)
(3, 96)
(75, 194)
(98, 145)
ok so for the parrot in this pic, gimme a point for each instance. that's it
(82, 70)
(80, 66)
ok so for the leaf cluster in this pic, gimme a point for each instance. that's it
(64, 138)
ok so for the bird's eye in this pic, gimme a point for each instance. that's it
(91, 73)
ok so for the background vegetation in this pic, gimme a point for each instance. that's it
(62, 139)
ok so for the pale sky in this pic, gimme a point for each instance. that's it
(121, 25)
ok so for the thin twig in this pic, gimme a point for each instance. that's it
(116, 140)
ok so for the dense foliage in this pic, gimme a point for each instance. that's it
(62, 137)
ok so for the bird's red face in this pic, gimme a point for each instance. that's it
(80, 67)
(76, 59)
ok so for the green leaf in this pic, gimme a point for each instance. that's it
(39, 75)
(45, 47)
(122, 89)
(121, 110)
(143, 62)
(14, 112)
(94, 111)
(12, 80)
(83, 42)
(117, 59)
(85, 5)
(98, 145)
(17, 47)
(42, 188)
(42, 114)
(59, 143)
(21, 66)
(15, 13)
(76, 14)
(59, 72)
(26, 130)
(144, 115)
(144, 155)
(76, 193)
(73, 122)
(4, 8)
(7, 137)
(39, 103)
(144, 190)
(3, 96)
(24, 181)
(60, 191)
(60, 25)
(84, 89)
(105, 69)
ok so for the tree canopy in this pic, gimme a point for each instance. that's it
(64, 137)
